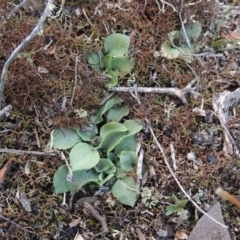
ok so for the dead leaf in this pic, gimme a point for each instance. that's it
(26, 168)
(42, 69)
(24, 201)
(78, 237)
(234, 35)
(132, 37)
(5, 169)
(52, 50)
(181, 235)
(140, 234)
(75, 222)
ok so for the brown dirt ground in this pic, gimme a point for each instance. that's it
(36, 96)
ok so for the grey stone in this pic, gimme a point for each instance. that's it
(206, 229)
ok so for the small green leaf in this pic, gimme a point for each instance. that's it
(175, 199)
(117, 44)
(168, 52)
(59, 180)
(107, 62)
(125, 191)
(170, 209)
(117, 113)
(110, 134)
(113, 81)
(183, 203)
(63, 138)
(109, 104)
(128, 142)
(105, 165)
(193, 31)
(128, 159)
(94, 59)
(87, 135)
(123, 65)
(83, 157)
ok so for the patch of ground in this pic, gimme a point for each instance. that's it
(40, 88)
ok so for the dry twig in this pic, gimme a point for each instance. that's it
(178, 183)
(23, 44)
(170, 91)
(221, 104)
(89, 210)
(5, 111)
(20, 152)
(17, 7)
(75, 80)
(139, 170)
(17, 225)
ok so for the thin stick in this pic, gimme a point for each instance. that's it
(20, 152)
(17, 7)
(171, 91)
(139, 170)
(17, 225)
(5, 112)
(173, 156)
(75, 80)
(84, 13)
(185, 34)
(23, 44)
(178, 183)
(60, 10)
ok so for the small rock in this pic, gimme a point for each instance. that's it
(212, 159)
(206, 229)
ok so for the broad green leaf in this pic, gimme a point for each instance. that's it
(113, 81)
(123, 65)
(108, 105)
(82, 178)
(83, 157)
(63, 138)
(117, 44)
(128, 142)
(169, 52)
(193, 31)
(110, 134)
(112, 157)
(125, 191)
(87, 134)
(133, 126)
(94, 59)
(105, 165)
(120, 173)
(117, 113)
(111, 127)
(106, 179)
(128, 159)
(59, 180)
(170, 209)
(185, 53)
